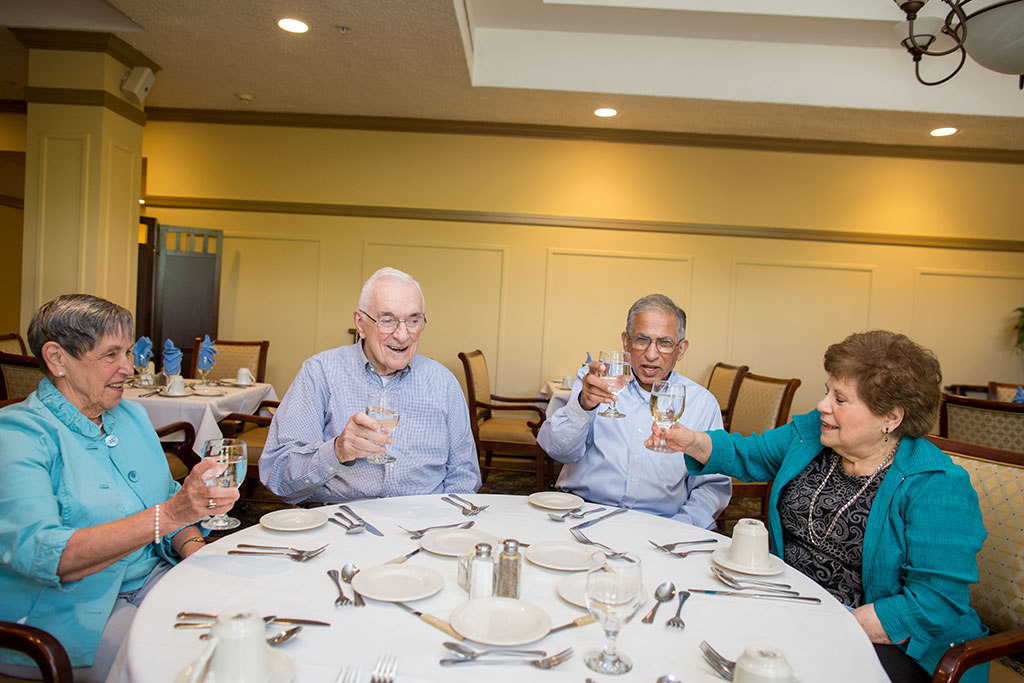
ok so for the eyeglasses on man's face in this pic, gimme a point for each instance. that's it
(389, 323)
(642, 342)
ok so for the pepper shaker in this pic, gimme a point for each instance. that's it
(510, 563)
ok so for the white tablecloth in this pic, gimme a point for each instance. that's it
(202, 412)
(823, 642)
(555, 393)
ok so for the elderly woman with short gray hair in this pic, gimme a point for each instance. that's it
(90, 517)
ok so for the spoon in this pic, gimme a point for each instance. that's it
(667, 678)
(284, 636)
(665, 592)
(347, 572)
(469, 653)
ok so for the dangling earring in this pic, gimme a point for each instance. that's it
(886, 435)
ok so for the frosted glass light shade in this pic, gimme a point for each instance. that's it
(995, 38)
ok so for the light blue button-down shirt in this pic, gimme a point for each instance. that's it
(433, 443)
(605, 460)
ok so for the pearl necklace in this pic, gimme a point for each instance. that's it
(814, 537)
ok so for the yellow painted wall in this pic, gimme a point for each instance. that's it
(536, 299)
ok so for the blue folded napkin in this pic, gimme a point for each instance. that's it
(143, 351)
(207, 351)
(1019, 396)
(172, 358)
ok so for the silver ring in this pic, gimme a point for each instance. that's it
(211, 505)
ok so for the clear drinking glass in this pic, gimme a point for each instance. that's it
(383, 406)
(614, 594)
(668, 399)
(232, 453)
(616, 375)
(205, 374)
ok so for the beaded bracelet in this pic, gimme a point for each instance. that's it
(156, 526)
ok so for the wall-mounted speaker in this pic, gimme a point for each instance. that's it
(136, 84)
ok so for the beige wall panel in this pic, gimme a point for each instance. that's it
(967, 318)
(59, 251)
(785, 314)
(117, 265)
(270, 289)
(587, 297)
(464, 289)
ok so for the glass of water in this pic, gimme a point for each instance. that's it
(383, 406)
(232, 453)
(614, 594)
(616, 376)
(668, 399)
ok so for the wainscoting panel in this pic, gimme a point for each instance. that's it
(60, 261)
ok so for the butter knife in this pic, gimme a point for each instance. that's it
(436, 622)
(594, 521)
(579, 621)
(402, 558)
(759, 596)
(369, 527)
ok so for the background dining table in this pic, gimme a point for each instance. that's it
(823, 642)
(202, 412)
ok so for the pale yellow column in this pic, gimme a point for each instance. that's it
(82, 171)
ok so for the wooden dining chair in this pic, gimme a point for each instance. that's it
(19, 375)
(232, 356)
(47, 652)
(998, 596)
(762, 403)
(13, 343)
(1002, 391)
(724, 384)
(513, 437)
(181, 456)
(996, 424)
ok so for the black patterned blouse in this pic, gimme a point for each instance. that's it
(835, 562)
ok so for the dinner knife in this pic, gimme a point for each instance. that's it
(271, 619)
(436, 622)
(760, 596)
(369, 527)
(579, 621)
(402, 558)
(594, 521)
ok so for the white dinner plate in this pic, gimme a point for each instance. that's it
(397, 582)
(573, 589)
(281, 670)
(455, 542)
(555, 500)
(188, 392)
(293, 520)
(565, 556)
(207, 391)
(500, 621)
(775, 564)
(234, 383)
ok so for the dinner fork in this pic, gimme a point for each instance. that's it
(722, 666)
(676, 622)
(582, 538)
(283, 547)
(669, 547)
(348, 674)
(418, 533)
(575, 514)
(544, 663)
(474, 508)
(342, 599)
(465, 510)
(384, 670)
(297, 557)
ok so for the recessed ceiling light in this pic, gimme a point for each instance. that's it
(605, 112)
(293, 25)
(942, 132)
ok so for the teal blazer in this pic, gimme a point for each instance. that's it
(923, 532)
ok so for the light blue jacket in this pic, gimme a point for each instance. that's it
(922, 535)
(61, 473)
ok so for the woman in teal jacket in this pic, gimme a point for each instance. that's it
(90, 517)
(875, 513)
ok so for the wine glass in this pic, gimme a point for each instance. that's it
(616, 375)
(205, 377)
(382, 406)
(232, 453)
(614, 594)
(668, 399)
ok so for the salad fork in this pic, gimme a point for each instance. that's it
(297, 557)
(418, 533)
(283, 547)
(684, 553)
(384, 670)
(465, 510)
(342, 599)
(474, 509)
(575, 514)
(676, 622)
(348, 674)
(543, 663)
(669, 547)
(722, 666)
(582, 538)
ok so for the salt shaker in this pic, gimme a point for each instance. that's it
(509, 564)
(481, 572)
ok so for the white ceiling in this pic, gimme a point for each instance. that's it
(804, 69)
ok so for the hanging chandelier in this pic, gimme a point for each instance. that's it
(991, 32)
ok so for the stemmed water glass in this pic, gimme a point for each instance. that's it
(668, 400)
(383, 406)
(616, 376)
(614, 594)
(231, 452)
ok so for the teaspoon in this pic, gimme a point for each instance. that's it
(665, 592)
(347, 572)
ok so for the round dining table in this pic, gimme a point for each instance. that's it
(822, 642)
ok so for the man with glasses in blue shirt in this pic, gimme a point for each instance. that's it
(321, 435)
(605, 460)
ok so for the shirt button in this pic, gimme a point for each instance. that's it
(133, 476)
(111, 440)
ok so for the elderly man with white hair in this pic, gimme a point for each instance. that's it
(321, 435)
